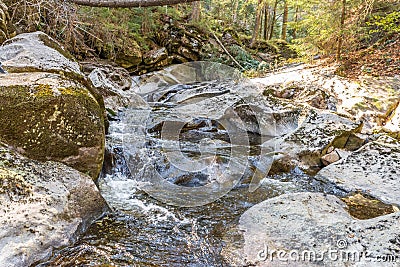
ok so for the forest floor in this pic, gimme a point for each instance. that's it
(383, 60)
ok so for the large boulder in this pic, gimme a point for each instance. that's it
(37, 51)
(373, 169)
(43, 206)
(50, 117)
(313, 229)
(48, 110)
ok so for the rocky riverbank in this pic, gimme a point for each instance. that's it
(302, 229)
(52, 130)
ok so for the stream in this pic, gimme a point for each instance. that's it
(200, 141)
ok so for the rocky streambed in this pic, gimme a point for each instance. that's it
(202, 167)
(328, 187)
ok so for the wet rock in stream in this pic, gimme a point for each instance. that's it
(199, 130)
(43, 206)
(312, 229)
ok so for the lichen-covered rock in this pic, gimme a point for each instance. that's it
(373, 169)
(42, 206)
(312, 229)
(37, 51)
(51, 117)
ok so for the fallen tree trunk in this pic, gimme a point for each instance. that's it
(129, 3)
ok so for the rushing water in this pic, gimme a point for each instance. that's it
(143, 231)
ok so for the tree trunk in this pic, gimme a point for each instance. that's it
(260, 33)
(257, 24)
(340, 40)
(128, 3)
(196, 9)
(145, 27)
(235, 10)
(266, 21)
(285, 20)
(273, 19)
(296, 19)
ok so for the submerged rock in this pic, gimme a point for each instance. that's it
(43, 206)
(312, 229)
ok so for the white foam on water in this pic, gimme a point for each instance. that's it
(117, 187)
(119, 191)
(157, 213)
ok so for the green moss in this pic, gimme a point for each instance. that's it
(361, 105)
(53, 121)
(364, 207)
(43, 90)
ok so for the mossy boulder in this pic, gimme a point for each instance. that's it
(43, 206)
(51, 117)
(38, 52)
(48, 109)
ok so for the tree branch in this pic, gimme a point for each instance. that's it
(128, 3)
